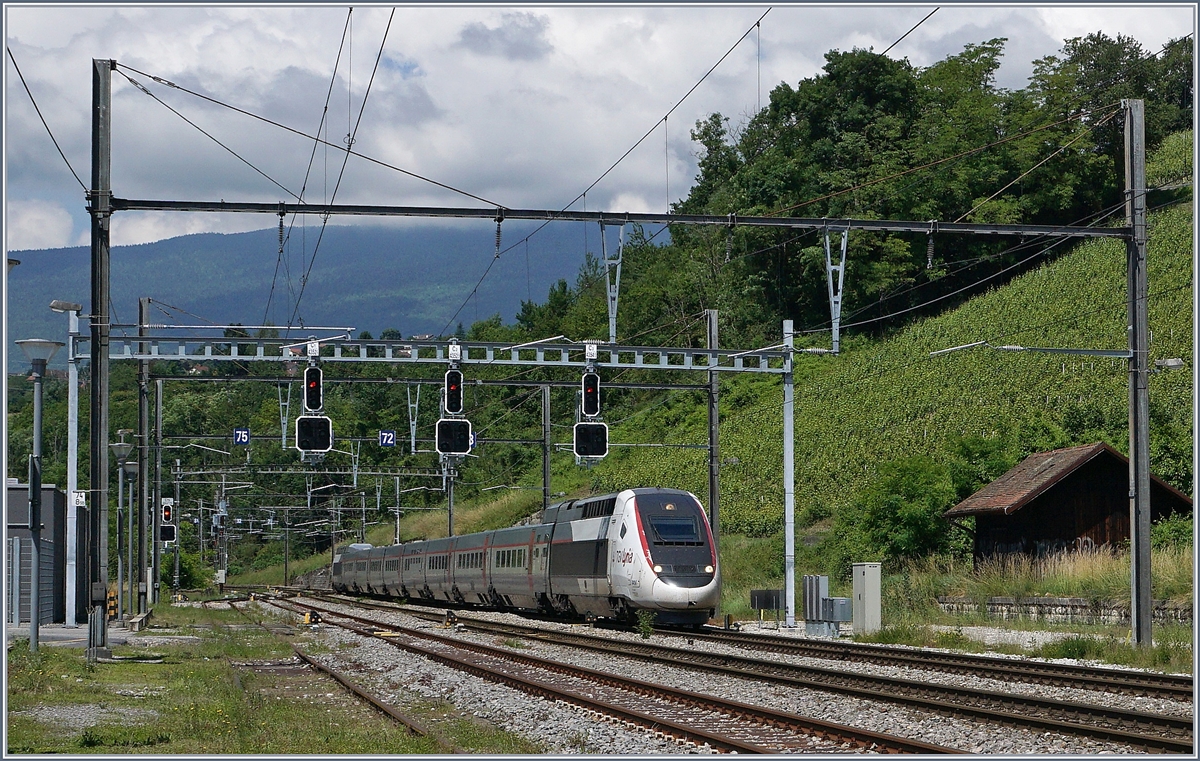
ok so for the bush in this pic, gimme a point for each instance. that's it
(1171, 532)
(192, 573)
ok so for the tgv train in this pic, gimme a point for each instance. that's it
(605, 557)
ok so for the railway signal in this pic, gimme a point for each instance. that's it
(314, 433)
(313, 392)
(591, 394)
(454, 392)
(591, 439)
(168, 510)
(453, 436)
(167, 533)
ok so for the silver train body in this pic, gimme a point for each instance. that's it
(605, 557)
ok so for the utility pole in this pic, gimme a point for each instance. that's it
(156, 506)
(714, 449)
(449, 481)
(73, 529)
(200, 529)
(1141, 605)
(143, 459)
(789, 480)
(100, 209)
(547, 446)
(178, 536)
(287, 545)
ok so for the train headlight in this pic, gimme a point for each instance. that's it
(708, 569)
(658, 569)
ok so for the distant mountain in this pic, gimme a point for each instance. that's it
(369, 277)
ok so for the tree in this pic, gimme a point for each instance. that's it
(901, 512)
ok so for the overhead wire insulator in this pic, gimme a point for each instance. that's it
(929, 244)
(729, 239)
(499, 220)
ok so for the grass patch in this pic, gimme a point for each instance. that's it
(121, 737)
(196, 702)
(748, 563)
(1171, 649)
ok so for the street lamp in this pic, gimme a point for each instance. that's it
(121, 450)
(74, 496)
(39, 352)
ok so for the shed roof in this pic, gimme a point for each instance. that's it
(1036, 474)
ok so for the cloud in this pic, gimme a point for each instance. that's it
(37, 224)
(132, 228)
(520, 36)
(454, 99)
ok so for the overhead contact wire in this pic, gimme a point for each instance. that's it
(308, 171)
(378, 162)
(606, 172)
(204, 132)
(351, 137)
(44, 124)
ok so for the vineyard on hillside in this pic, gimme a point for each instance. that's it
(880, 402)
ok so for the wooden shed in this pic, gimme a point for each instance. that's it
(1074, 498)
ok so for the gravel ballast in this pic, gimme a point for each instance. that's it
(563, 728)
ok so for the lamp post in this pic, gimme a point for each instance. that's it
(130, 469)
(72, 311)
(120, 450)
(39, 352)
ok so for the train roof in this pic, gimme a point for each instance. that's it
(573, 509)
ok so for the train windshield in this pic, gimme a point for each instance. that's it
(683, 528)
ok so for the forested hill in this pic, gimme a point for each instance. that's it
(410, 278)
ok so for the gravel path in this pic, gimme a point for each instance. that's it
(566, 729)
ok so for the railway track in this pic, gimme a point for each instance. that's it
(413, 726)
(692, 717)
(1146, 684)
(1149, 731)
(1095, 678)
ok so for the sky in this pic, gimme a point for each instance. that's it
(525, 106)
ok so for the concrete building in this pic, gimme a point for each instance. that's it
(53, 555)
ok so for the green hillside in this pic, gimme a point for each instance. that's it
(881, 401)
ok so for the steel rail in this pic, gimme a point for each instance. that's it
(412, 725)
(1170, 734)
(1104, 679)
(765, 719)
(1147, 684)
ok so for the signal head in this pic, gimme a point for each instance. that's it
(453, 436)
(314, 395)
(454, 392)
(314, 433)
(591, 439)
(591, 394)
